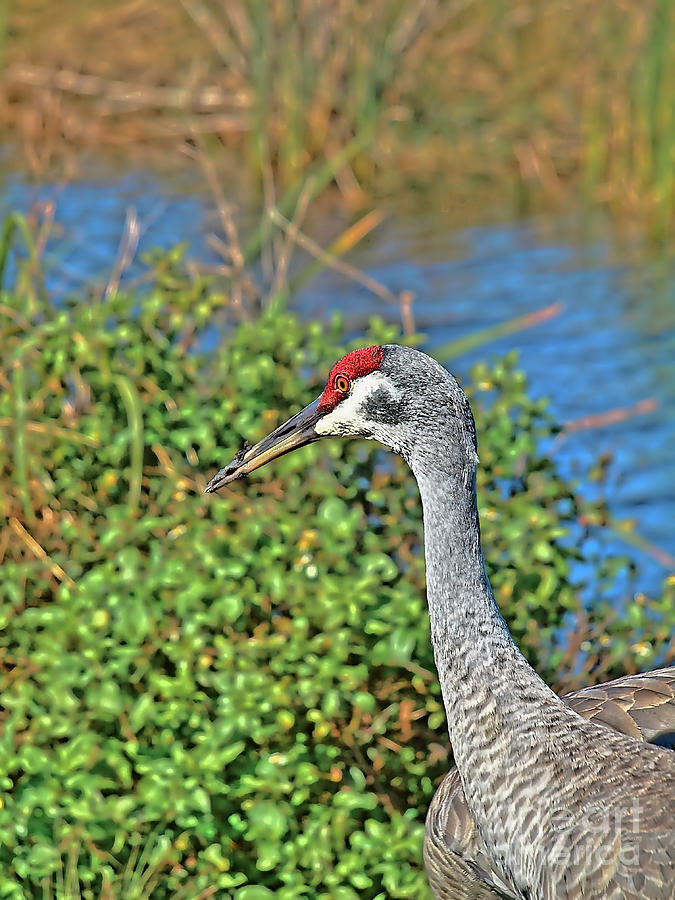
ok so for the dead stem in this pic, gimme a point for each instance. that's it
(40, 553)
(609, 417)
(329, 260)
(125, 253)
(131, 96)
(231, 252)
(286, 250)
(56, 430)
(215, 34)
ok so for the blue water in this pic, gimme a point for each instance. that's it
(89, 222)
(611, 345)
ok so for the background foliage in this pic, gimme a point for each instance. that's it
(235, 695)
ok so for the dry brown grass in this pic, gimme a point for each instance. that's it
(480, 97)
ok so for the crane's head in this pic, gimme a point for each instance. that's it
(395, 395)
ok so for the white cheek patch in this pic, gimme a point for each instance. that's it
(348, 418)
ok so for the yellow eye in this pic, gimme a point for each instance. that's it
(342, 383)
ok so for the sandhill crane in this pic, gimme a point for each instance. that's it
(545, 803)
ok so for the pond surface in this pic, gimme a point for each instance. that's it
(611, 344)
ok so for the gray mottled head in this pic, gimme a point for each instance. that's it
(409, 403)
(395, 395)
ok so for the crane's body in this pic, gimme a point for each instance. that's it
(641, 706)
(561, 807)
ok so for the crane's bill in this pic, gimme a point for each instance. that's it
(296, 432)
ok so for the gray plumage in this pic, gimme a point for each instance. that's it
(457, 863)
(545, 802)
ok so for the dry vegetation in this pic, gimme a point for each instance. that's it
(537, 100)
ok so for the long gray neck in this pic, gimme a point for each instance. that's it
(498, 709)
(461, 603)
(483, 675)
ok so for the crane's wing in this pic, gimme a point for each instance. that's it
(457, 864)
(642, 706)
(456, 861)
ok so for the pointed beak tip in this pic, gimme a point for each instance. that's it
(296, 432)
(225, 476)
